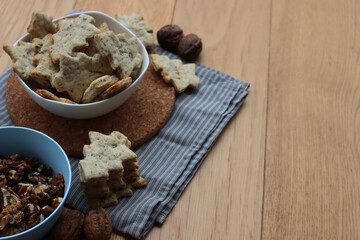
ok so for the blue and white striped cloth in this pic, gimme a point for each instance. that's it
(170, 159)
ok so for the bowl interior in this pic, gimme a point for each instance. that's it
(31, 143)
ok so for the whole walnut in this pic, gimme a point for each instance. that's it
(69, 226)
(169, 37)
(97, 225)
(190, 47)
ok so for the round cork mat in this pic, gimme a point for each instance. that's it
(139, 118)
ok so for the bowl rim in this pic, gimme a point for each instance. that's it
(66, 190)
(146, 61)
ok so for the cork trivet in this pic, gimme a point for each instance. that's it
(139, 118)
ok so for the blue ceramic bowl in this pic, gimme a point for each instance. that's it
(31, 143)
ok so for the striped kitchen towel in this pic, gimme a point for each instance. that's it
(170, 159)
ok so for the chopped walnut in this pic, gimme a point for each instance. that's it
(29, 193)
(43, 179)
(33, 162)
(10, 214)
(58, 182)
(13, 229)
(32, 178)
(40, 168)
(15, 157)
(29, 207)
(51, 191)
(55, 202)
(34, 219)
(46, 210)
(8, 197)
(14, 169)
(44, 199)
(47, 171)
(24, 189)
(3, 179)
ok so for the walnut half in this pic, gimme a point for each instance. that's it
(98, 224)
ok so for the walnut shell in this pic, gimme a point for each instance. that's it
(98, 224)
(69, 226)
(190, 47)
(169, 37)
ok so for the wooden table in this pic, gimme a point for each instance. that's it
(287, 165)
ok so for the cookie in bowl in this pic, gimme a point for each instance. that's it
(70, 65)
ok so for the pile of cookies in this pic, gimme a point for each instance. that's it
(109, 169)
(74, 61)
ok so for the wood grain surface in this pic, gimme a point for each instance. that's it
(312, 152)
(286, 166)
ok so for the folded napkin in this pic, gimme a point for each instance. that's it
(170, 159)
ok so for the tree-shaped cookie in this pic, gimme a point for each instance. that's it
(109, 169)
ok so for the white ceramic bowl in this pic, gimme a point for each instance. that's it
(96, 109)
(31, 143)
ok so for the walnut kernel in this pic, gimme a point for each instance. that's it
(97, 224)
